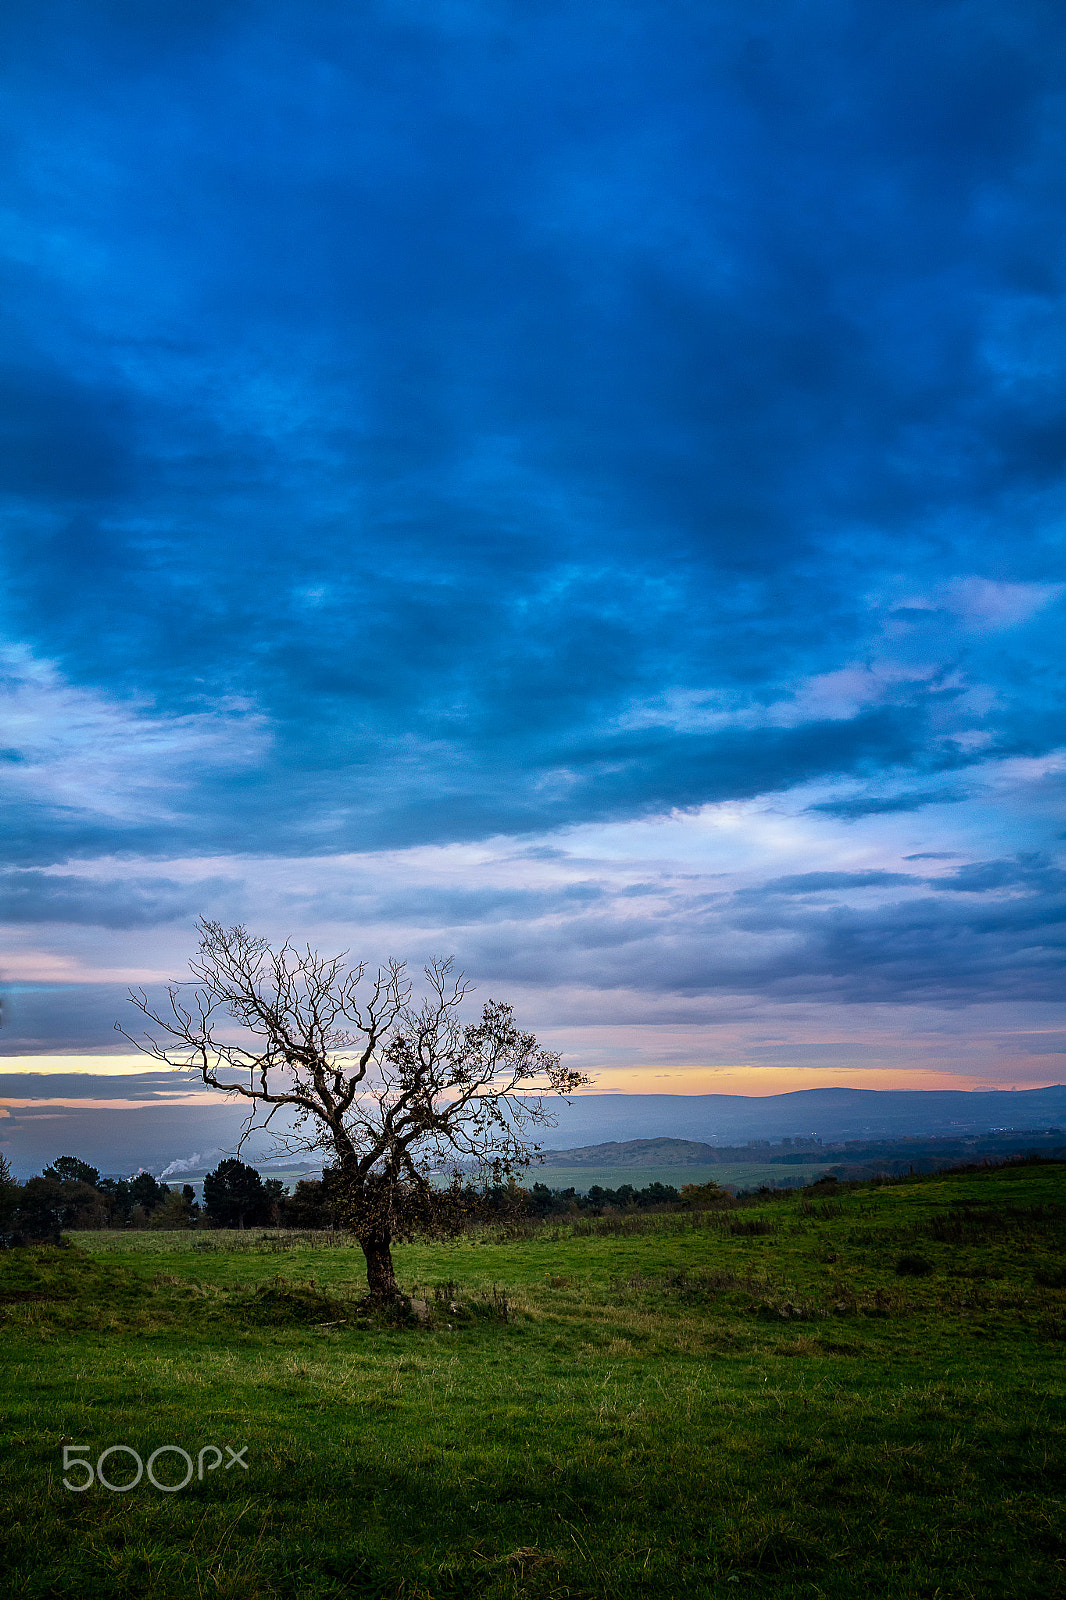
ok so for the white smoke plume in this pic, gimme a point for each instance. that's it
(200, 1159)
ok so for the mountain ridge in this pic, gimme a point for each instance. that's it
(827, 1114)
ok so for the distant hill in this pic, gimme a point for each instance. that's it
(48, 1113)
(672, 1160)
(827, 1114)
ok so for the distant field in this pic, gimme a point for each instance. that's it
(747, 1175)
(748, 1402)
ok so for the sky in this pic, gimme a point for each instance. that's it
(579, 488)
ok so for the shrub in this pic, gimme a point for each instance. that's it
(175, 1212)
(696, 1195)
(46, 1205)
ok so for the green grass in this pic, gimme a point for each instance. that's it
(675, 1406)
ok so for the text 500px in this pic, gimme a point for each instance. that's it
(210, 1457)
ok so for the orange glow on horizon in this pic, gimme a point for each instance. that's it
(742, 1078)
(759, 1081)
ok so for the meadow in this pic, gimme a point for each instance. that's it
(815, 1394)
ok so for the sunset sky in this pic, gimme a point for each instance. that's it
(579, 487)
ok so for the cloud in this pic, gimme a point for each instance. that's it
(444, 907)
(438, 427)
(40, 897)
(83, 766)
(805, 883)
(1051, 1045)
(883, 805)
(58, 1088)
(62, 1016)
(441, 480)
(917, 944)
(985, 604)
(840, 937)
(1030, 874)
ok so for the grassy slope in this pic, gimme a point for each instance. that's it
(648, 1423)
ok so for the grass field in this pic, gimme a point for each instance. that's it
(753, 1402)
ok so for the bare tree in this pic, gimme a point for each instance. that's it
(393, 1088)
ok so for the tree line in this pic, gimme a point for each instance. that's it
(70, 1195)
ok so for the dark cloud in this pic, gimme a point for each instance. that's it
(533, 415)
(438, 336)
(29, 896)
(1029, 874)
(144, 1086)
(804, 883)
(884, 805)
(42, 1018)
(935, 946)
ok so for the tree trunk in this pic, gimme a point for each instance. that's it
(364, 1211)
(380, 1277)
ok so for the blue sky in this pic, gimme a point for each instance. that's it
(576, 486)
